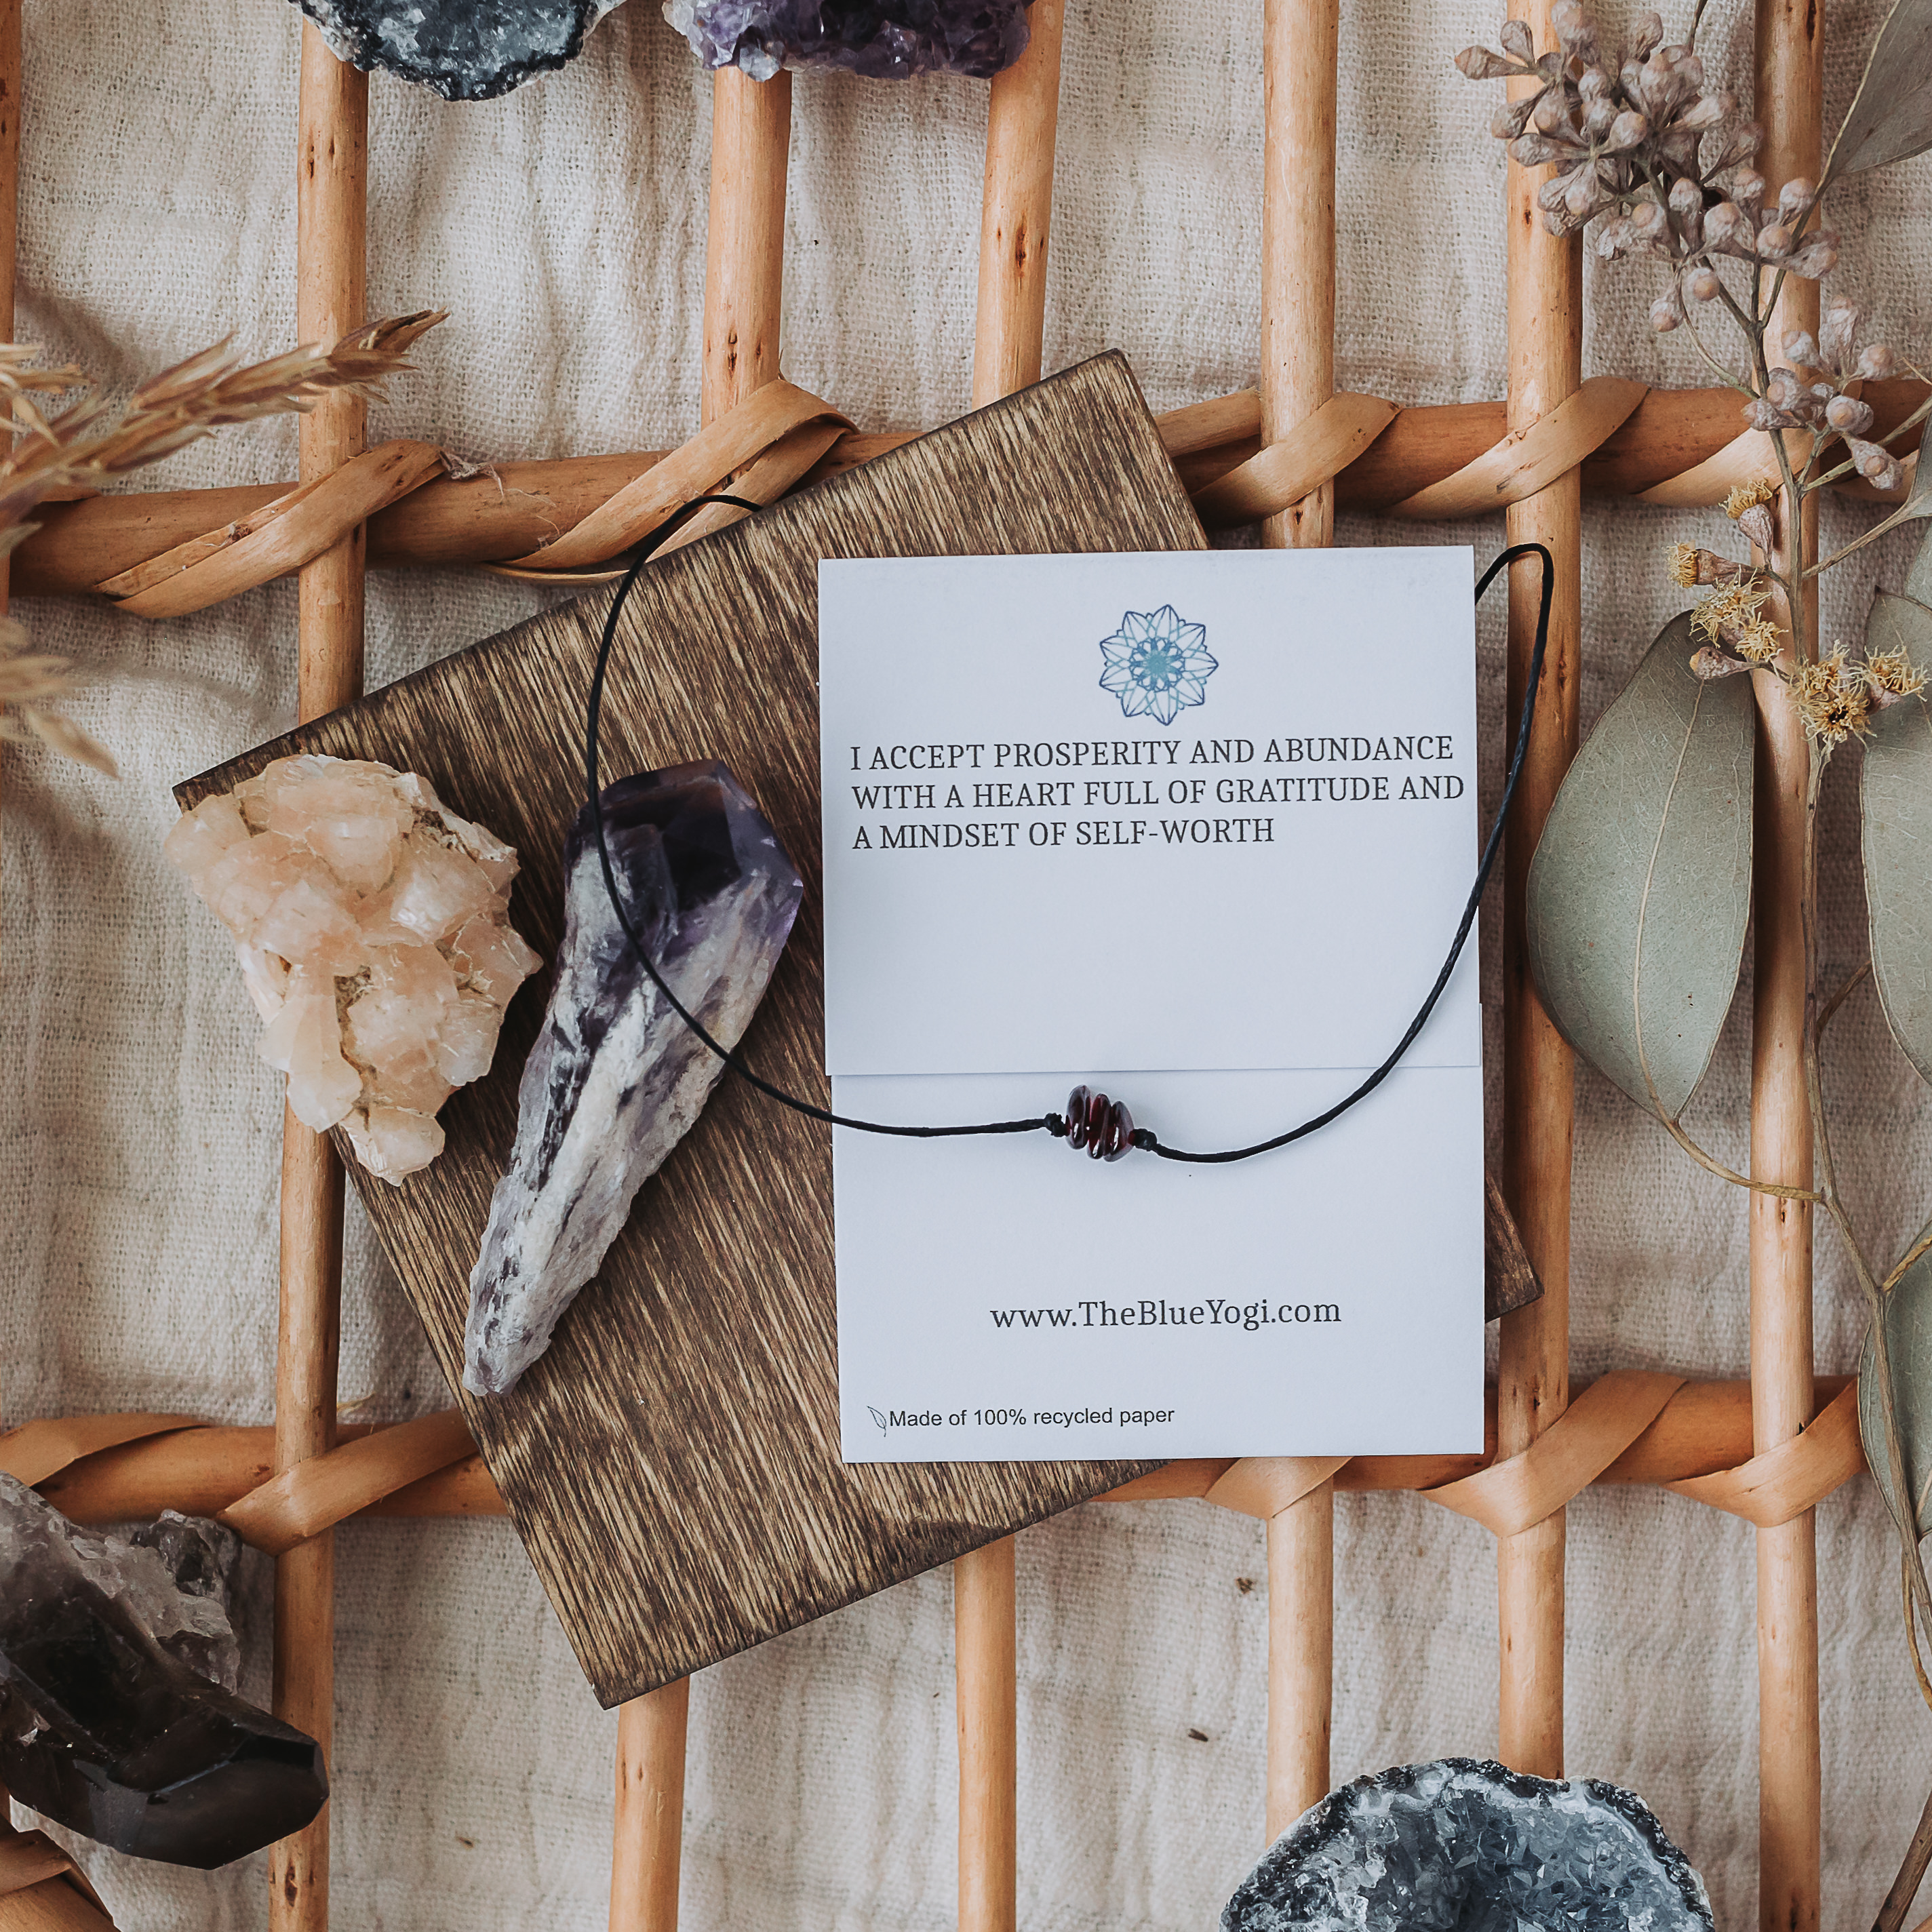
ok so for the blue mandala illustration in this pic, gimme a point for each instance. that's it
(1157, 664)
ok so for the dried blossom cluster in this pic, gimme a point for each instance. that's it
(1835, 697)
(1811, 390)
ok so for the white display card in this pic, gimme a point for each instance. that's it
(1194, 829)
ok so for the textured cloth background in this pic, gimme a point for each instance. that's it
(564, 229)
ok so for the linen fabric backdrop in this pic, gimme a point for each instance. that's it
(564, 229)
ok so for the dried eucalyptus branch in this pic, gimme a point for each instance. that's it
(87, 444)
(1639, 143)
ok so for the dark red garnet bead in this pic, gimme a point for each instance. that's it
(1103, 1127)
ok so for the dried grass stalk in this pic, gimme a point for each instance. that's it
(83, 445)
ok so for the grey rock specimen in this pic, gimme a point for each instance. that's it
(885, 40)
(108, 1724)
(615, 1079)
(1464, 1847)
(463, 51)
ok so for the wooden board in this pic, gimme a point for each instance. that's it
(672, 1463)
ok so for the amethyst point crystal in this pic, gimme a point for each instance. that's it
(104, 1727)
(884, 40)
(1464, 1847)
(616, 1078)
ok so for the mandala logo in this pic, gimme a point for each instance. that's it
(1157, 665)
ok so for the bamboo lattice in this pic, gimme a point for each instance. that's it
(1286, 454)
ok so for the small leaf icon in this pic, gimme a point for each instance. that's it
(877, 1417)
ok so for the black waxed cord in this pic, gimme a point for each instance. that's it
(1054, 1124)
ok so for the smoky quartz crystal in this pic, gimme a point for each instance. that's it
(616, 1078)
(108, 1724)
(1464, 1847)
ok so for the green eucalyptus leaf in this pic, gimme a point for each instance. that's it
(1640, 888)
(1908, 1335)
(1890, 119)
(1896, 797)
(1918, 578)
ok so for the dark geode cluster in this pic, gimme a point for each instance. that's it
(1464, 1847)
(462, 51)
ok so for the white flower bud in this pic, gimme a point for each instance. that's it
(1837, 332)
(1848, 416)
(1794, 198)
(1663, 315)
(1817, 258)
(1480, 64)
(1706, 111)
(1727, 229)
(1876, 362)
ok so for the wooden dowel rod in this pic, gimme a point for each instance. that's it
(516, 506)
(744, 301)
(744, 257)
(1545, 304)
(985, 1633)
(331, 219)
(649, 1831)
(1790, 99)
(1299, 50)
(1016, 212)
(1016, 217)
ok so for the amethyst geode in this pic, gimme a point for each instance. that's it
(1465, 1847)
(616, 1078)
(885, 40)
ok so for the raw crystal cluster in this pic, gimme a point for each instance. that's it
(1464, 1847)
(886, 40)
(374, 939)
(462, 51)
(118, 1713)
(616, 1078)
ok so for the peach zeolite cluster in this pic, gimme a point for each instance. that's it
(374, 939)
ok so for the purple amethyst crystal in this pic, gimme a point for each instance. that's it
(886, 40)
(616, 1078)
(461, 50)
(108, 1724)
(1464, 1847)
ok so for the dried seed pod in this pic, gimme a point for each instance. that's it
(1649, 222)
(1664, 316)
(1649, 33)
(1760, 526)
(1817, 258)
(1848, 416)
(1727, 229)
(1774, 241)
(1747, 188)
(1517, 40)
(1795, 198)
(1702, 284)
(1875, 463)
(1783, 388)
(1614, 237)
(1800, 348)
(1709, 664)
(1627, 130)
(1707, 111)
(1876, 362)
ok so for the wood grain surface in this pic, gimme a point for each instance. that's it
(672, 1463)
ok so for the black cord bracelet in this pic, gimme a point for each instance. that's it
(1103, 1128)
